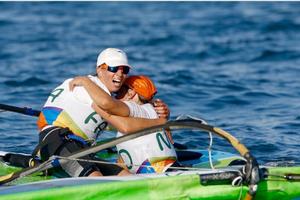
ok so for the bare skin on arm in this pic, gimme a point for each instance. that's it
(100, 97)
(128, 125)
(111, 105)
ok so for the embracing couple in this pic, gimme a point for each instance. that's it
(79, 109)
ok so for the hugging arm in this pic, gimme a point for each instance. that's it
(161, 109)
(100, 97)
(128, 125)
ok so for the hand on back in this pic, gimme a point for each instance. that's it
(161, 109)
(78, 81)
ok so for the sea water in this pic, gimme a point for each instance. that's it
(234, 64)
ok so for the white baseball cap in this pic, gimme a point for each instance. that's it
(112, 57)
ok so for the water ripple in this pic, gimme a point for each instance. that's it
(236, 64)
(273, 55)
(32, 81)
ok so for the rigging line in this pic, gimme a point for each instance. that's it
(118, 164)
(241, 191)
(294, 177)
(209, 148)
(280, 163)
(123, 164)
(238, 181)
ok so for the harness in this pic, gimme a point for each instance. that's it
(53, 139)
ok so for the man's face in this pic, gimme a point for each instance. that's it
(112, 80)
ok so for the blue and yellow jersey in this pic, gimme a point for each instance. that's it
(73, 110)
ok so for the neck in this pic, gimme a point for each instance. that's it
(102, 82)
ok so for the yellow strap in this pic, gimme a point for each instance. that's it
(6, 177)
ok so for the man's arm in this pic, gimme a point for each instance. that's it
(100, 97)
(128, 125)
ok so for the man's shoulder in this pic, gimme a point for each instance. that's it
(98, 82)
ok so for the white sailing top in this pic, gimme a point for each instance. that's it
(73, 109)
(150, 153)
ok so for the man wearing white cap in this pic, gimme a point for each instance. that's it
(68, 122)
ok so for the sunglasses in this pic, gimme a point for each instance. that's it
(125, 69)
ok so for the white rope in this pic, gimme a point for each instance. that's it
(123, 164)
(241, 192)
(238, 181)
(209, 148)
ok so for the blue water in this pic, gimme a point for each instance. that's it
(236, 65)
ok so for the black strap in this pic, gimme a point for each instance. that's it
(21, 160)
(50, 140)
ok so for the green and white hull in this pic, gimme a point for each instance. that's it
(173, 185)
(181, 184)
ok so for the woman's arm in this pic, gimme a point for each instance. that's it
(100, 97)
(128, 125)
(161, 108)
